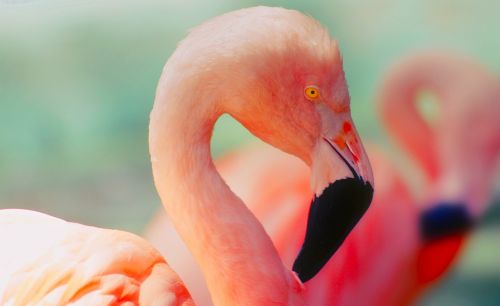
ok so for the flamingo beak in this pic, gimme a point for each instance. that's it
(343, 185)
(443, 228)
(445, 219)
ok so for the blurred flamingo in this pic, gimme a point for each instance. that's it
(291, 93)
(457, 151)
(405, 242)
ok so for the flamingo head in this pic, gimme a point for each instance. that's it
(294, 96)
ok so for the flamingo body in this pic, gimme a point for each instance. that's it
(48, 261)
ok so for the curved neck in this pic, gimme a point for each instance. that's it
(398, 104)
(398, 99)
(454, 152)
(238, 259)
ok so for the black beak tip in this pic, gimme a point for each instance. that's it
(444, 219)
(332, 216)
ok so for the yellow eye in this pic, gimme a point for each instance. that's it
(311, 92)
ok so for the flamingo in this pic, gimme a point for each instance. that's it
(463, 148)
(48, 261)
(404, 243)
(286, 85)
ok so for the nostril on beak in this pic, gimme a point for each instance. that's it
(355, 153)
(343, 158)
(443, 219)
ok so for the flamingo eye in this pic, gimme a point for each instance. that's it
(311, 93)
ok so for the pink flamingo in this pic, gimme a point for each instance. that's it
(463, 146)
(404, 243)
(290, 92)
(48, 261)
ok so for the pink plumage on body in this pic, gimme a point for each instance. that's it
(48, 261)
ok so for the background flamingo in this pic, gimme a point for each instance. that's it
(463, 140)
(400, 247)
(297, 101)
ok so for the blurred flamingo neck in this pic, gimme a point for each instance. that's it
(238, 259)
(457, 151)
(398, 105)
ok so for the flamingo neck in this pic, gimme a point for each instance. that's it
(398, 106)
(237, 257)
(451, 151)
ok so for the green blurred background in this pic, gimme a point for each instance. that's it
(77, 81)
